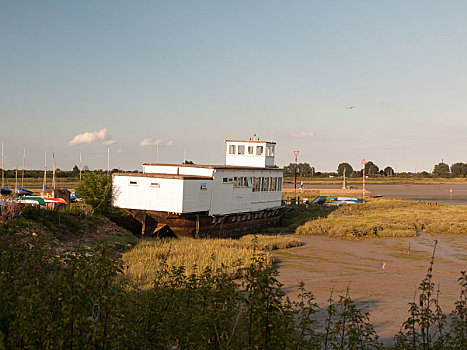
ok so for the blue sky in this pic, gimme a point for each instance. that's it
(193, 73)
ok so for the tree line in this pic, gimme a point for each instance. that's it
(442, 169)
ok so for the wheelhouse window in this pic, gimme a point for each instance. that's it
(270, 151)
(204, 186)
(251, 149)
(241, 149)
(232, 149)
(259, 150)
(133, 183)
(155, 184)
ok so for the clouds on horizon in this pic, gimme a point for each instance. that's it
(149, 142)
(303, 134)
(91, 137)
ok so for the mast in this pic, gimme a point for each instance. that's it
(108, 160)
(3, 176)
(79, 166)
(53, 171)
(24, 159)
(44, 183)
(16, 179)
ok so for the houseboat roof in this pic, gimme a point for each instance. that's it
(166, 176)
(229, 167)
(253, 141)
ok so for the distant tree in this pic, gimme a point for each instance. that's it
(188, 162)
(388, 171)
(75, 171)
(459, 169)
(348, 169)
(441, 170)
(96, 190)
(85, 168)
(303, 169)
(357, 173)
(371, 168)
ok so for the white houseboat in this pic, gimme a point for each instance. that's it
(206, 200)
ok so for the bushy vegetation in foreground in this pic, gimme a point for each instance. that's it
(78, 300)
(388, 218)
(144, 261)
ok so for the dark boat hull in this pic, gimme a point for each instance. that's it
(204, 225)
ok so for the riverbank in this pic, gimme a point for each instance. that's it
(382, 274)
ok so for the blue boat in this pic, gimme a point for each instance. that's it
(23, 192)
(5, 191)
(319, 200)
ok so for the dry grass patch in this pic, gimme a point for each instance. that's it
(388, 218)
(195, 255)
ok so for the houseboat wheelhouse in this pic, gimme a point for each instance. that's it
(206, 200)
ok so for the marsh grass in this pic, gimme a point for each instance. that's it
(388, 218)
(145, 259)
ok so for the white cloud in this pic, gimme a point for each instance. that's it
(149, 142)
(109, 142)
(383, 103)
(92, 136)
(169, 143)
(303, 134)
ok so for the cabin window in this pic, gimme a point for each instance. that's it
(240, 182)
(259, 150)
(133, 183)
(270, 151)
(250, 181)
(235, 181)
(227, 180)
(241, 149)
(232, 149)
(204, 186)
(280, 183)
(273, 183)
(230, 179)
(155, 184)
(250, 149)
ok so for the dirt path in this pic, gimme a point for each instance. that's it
(326, 264)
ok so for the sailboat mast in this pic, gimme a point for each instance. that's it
(44, 183)
(79, 166)
(108, 160)
(24, 159)
(53, 171)
(3, 176)
(16, 179)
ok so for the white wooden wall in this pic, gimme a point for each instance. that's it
(168, 197)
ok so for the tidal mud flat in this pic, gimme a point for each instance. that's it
(433, 193)
(382, 274)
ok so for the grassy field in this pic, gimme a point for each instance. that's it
(35, 184)
(380, 180)
(385, 218)
(145, 259)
